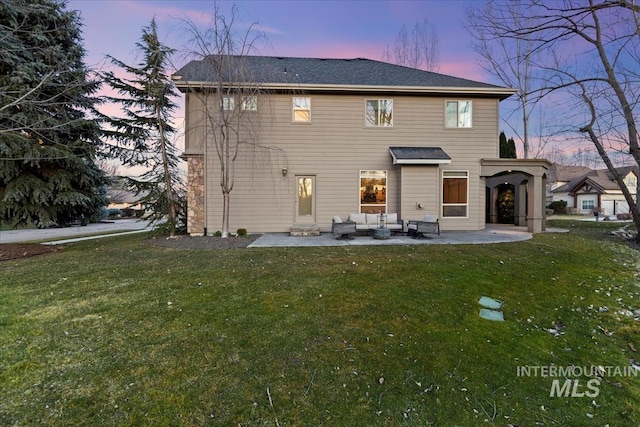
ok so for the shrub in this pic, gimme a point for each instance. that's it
(559, 206)
(102, 214)
(113, 213)
(217, 233)
(242, 232)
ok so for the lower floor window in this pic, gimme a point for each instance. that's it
(588, 205)
(373, 192)
(455, 189)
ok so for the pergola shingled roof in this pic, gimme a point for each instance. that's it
(419, 156)
(331, 74)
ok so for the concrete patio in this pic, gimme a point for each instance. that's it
(492, 234)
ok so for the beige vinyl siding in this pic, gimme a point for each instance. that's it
(194, 122)
(334, 148)
(420, 184)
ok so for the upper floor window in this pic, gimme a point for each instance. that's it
(228, 103)
(302, 110)
(248, 103)
(458, 114)
(379, 112)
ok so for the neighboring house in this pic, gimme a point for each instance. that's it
(586, 190)
(340, 136)
(123, 199)
(560, 175)
(120, 197)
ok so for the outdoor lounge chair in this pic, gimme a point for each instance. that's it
(428, 225)
(342, 228)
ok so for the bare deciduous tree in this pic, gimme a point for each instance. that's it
(510, 60)
(595, 50)
(418, 49)
(229, 97)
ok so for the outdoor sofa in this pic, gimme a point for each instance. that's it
(365, 222)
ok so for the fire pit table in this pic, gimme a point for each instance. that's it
(381, 233)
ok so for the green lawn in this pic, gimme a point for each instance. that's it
(117, 332)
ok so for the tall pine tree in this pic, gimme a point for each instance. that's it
(48, 142)
(143, 136)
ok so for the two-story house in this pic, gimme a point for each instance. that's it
(323, 137)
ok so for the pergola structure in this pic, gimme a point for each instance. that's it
(529, 178)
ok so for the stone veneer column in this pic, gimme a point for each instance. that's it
(195, 195)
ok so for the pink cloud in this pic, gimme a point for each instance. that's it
(465, 69)
(164, 13)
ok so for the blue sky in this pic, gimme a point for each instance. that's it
(312, 28)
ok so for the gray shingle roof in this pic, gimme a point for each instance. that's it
(358, 72)
(419, 155)
(600, 179)
(566, 173)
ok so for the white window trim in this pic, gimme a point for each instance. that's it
(458, 101)
(378, 126)
(253, 103)
(229, 102)
(294, 109)
(442, 206)
(587, 201)
(386, 199)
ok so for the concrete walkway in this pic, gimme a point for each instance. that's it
(492, 234)
(60, 235)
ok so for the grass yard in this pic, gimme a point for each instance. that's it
(118, 332)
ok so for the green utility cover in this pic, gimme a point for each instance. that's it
(490, 303)
(491, 315)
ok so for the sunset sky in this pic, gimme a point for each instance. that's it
(310, 28)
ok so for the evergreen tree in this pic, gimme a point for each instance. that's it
(507, 147)
(143, 136)
(48, 143)
(511, 152)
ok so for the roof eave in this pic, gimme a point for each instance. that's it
(499, 92)
(397, 161)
